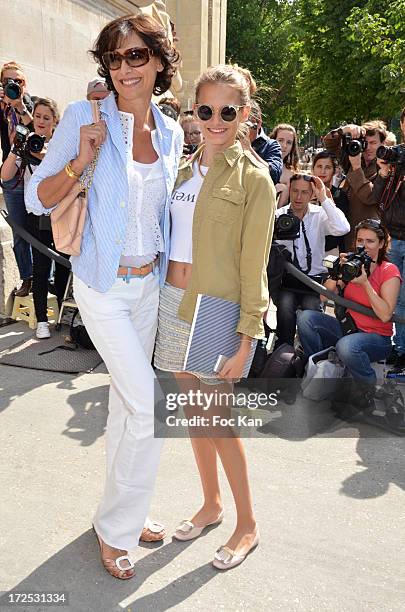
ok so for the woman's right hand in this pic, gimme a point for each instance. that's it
(91, 137)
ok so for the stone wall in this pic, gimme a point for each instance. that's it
(50, 39)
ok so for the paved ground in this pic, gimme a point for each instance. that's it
(330, 508)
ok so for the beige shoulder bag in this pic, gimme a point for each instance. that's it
(68, 218)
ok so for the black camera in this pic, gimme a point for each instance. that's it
(287, 227)
(12, 89)
(26, 143)
(352, 147)
(351, 268)
(392, 155)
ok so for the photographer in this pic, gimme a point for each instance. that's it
(267, 148)
(15, 109)
(389, 194)
(192, 133)
(368, 339)
(307, 247)
(26, 153)
(356, 149)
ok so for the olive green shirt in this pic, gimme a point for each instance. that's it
(232, 231)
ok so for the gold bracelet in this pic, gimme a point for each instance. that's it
(71, 173)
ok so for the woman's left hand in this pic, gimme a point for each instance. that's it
(233, 368)
(362, 279)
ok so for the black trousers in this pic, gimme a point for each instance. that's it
(287, 305)
(41, 267)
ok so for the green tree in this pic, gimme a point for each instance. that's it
(320, 63)
(259, 37)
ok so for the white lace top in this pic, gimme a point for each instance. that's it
(147, 194)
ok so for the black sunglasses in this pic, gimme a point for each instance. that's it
(228, 113)
(135, 57)
(304, 177)
(374, 223)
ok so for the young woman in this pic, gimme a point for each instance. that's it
(378, 291)
(286, 136)
(124, 243)
(46, 118)
(324, 165)
(222, 214)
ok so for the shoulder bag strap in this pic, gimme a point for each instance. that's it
(87, 176)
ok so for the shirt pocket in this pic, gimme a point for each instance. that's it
(225, 204)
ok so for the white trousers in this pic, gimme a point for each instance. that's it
(122, 325)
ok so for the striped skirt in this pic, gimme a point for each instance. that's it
(173, 334)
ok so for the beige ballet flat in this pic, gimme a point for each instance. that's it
(225, 558)
(188, 531)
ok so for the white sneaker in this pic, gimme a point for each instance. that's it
(43, 330)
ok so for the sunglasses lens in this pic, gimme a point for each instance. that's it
(204, 112)
(134, 57)
(137, 57)
(228, 113)
(112, 60)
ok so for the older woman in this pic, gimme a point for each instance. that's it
(125, 242)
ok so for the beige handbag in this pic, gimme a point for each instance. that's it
(68, 217)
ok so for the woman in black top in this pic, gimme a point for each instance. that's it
(324, 165)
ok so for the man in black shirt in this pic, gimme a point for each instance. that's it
(267, 148)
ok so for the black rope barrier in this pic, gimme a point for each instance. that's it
(309, 282)
(37, 244)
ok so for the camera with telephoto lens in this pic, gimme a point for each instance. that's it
(352, 147)
(392, 155)
(12, 89)
(351, 268)
(26, 143)
(287, 227)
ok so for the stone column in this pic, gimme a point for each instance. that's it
(201, 28)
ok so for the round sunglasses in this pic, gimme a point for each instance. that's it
(228, 113)
(134, 57)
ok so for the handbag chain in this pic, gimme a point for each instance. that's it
(87, 177)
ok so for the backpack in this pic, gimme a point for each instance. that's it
(279, 255)
(284, 362)
(79, 334)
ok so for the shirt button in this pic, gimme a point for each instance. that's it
(118, 241)
(122, 204)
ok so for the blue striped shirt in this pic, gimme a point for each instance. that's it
(107, 215)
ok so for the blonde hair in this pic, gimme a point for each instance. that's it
(233, 75)
(51, 104)
(11, 66)
(390, 139)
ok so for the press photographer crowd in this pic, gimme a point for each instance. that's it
(340, 221)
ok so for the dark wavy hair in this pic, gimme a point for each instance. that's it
(382, 233)
(325, 155)
(154, 37)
